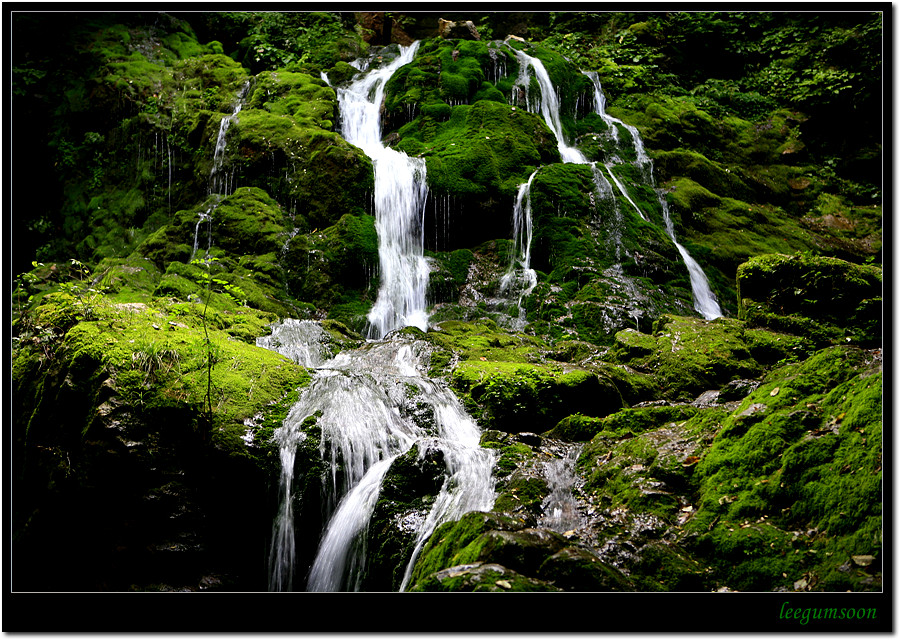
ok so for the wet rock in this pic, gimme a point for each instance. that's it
(460, 29)
(577, 569)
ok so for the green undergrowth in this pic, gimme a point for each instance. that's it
(792, 482)
(686, 356)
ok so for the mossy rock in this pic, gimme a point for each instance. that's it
(818, 297)
(335, 268)
(796, 468)
(478, 576)
(687, 355)
(299, 150)
(455, 543)
(407, 494)
(576, 428)
(519, 397)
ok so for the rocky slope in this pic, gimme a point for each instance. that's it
(638, 447)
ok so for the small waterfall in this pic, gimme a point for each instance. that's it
(215, 179)
(704, 300)
(520, 279)
(549, 105)
(642, 161)
(560, 512)
(364, 401)
(622, 190)
(205, 216)
(400, 194)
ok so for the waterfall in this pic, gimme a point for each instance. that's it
(215, 180)
(560, 513)
(520, 278)
(400, 194)
(704, 300)
(366, 402)
(643, 161)
(549, 106)
(622, 190)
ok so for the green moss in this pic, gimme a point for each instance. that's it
(576, 428)
(818, 297)
(687, 356)
(455, 543)
(301, 150)
(787, 461)
(335, 268)
(520, 495)
(518, 397)
(485, 147)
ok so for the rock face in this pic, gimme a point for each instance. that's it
(457, 30)
(196, 191)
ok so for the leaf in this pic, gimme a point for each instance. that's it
(863, 561)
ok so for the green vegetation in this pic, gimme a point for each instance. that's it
(742, 453)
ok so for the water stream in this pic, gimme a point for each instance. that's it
(705, 302)
(400, 194)
(373, 404)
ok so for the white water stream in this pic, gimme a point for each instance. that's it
(367, 401)
(370, 401)
(219, 182)
(400, 193)
(705, 302)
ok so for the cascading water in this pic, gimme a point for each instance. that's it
(400, 193)
(362, 400)
(704, 300)
(217, 182)
(549, 105)
(520, 279)
(560, 509)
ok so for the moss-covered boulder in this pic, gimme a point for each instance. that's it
(687, 355)
(334, 268)
(517, 558)
(797, 469)
(518, 397)
(407, 494)
(825, 299)
(155, 423)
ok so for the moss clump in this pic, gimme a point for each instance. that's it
(518, 397)
(334, 268)
(286, 132)
(576, 428)
(783, 487)
(821, 298)
(455, 543)
(687, 356)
